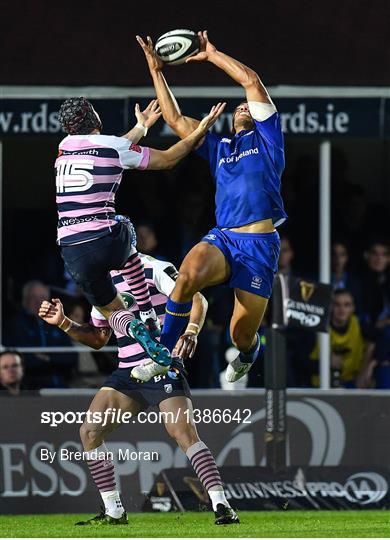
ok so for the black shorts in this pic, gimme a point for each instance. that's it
(150, 393)
(90, 263)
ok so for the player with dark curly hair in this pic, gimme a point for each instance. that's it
(92, 240)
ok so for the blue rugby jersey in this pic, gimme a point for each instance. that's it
(247, 170)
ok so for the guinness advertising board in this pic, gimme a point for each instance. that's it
(258, 488)
(299, 303)
(325, 430)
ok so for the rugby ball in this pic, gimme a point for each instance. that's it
(176, 46)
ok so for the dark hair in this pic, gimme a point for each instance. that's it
(341, 242)
(78, 117)
(377, 242)
(10, 350)
(342, 290)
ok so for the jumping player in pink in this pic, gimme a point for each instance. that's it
(89, 171)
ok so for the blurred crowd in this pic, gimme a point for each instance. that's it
(359, 332)
(360, 310)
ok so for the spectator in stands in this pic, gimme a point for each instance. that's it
(341, 276)
(286, 256)
(299, 343)
(88, 374)
(193, 215)
(147, 240)
(11, 374)
(26, 329)
(376, 286)
(376, 305)
(351, 355)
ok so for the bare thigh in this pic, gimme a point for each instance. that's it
(93, 433)
(117, 304)
(203, 266)
(179, 421)
(247, 316)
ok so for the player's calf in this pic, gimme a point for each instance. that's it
(91, 435)
(206, 470)
(101, 467)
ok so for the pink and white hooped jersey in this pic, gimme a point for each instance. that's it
(161, 279)
(89, 172)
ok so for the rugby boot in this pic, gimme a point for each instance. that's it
(153, 348)
(225, 515)
(150, 319)
(237, 369)
(148, 370)
(105, 519)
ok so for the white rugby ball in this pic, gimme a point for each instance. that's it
(176, 46)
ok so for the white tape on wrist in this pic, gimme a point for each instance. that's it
(197, 328)
(65, 319)
(141, 126)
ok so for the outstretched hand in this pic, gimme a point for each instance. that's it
(211, 118)
(206, 48)
(154, 62)
(149, 116)
(52, 312)
(186, 345)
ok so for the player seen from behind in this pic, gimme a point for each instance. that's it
(92, 242)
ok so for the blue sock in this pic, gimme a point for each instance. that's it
(251, 356)
(177, 315)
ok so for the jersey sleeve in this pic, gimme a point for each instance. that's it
(131, 156)
(209, 149)
(165, 275)
(97, 319)
(267, 122)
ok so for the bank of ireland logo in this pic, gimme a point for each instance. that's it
(168, 388)
(256, 282)
(211, 236)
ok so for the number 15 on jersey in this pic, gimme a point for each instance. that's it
(74, 175)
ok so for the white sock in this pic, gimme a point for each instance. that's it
(217, 496)
(112, 503)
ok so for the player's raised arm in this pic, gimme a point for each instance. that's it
(243, 75)
(145, 119)
(166, 159)
(182, 125)
(87, 334)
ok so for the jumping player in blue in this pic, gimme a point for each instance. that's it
(243, 249)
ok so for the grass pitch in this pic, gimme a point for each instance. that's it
(299, 524)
